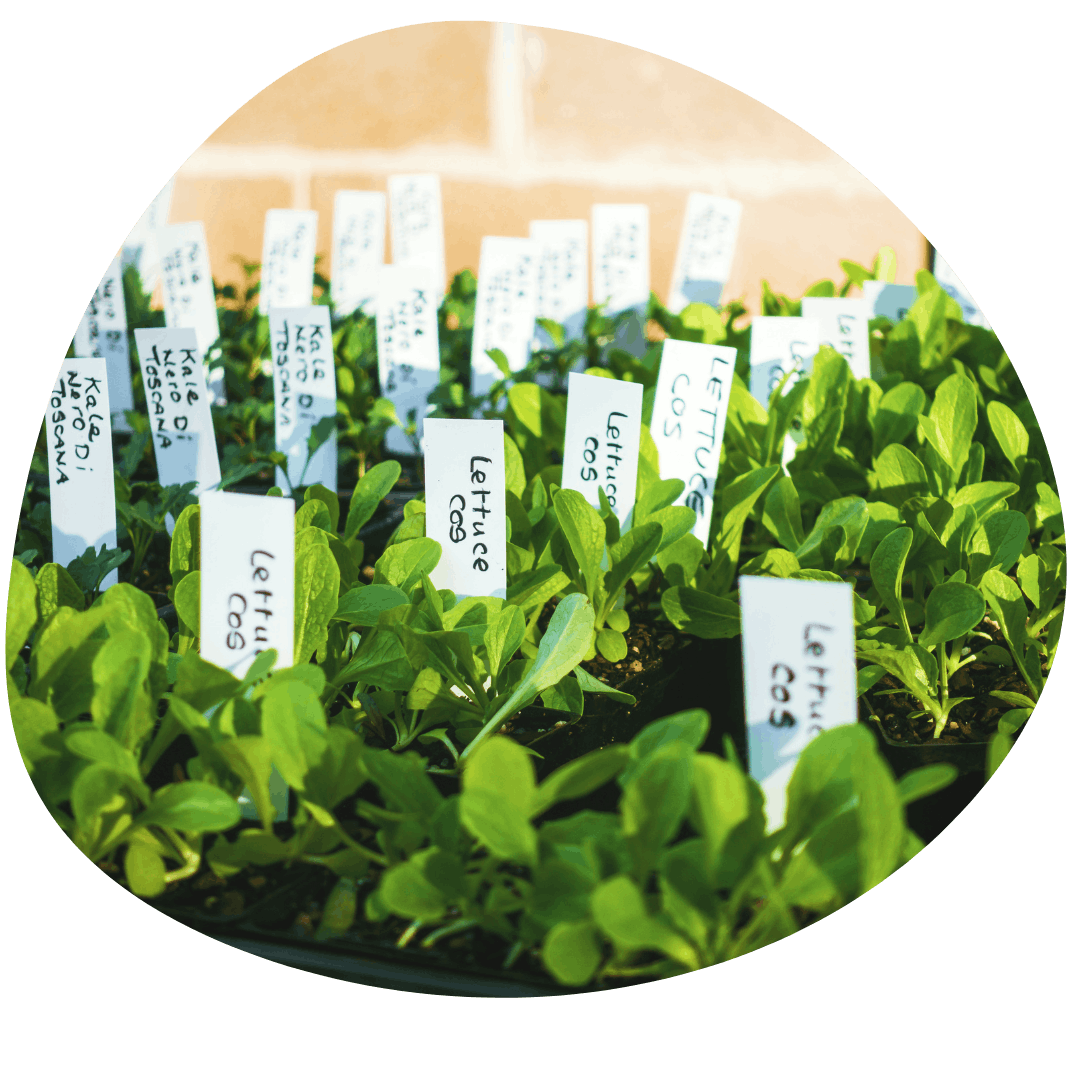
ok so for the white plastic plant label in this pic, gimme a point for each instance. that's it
(247, 582)
(620, 256)
(416, 224)
(407, 338)
(779, 344)
(844, 325)
(562, 276)
(358, 250)
(505, 316)
(706, 250)
(689, 412)
(603, 437)
(798, 647)
(141, 248)
(102, 331)
(187, 285)
(288, 260)
(947, 279)
(79, 440)
(465, 494)
(892, 301)
(305, 392)
(178, 406)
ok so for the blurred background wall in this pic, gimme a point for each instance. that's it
(524, 123)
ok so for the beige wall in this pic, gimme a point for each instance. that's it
(526, 123)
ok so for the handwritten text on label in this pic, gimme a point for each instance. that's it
(178, 407)
(305, 392)
(79, 447)
(603, 436)
(706, 249)
(799, 672)
(466, 504)
(689, 413)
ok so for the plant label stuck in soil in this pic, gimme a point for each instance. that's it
(178, 406)
(689, 411)
(798, 651)
(947, 279)
(407, 341)
(779, 344)
(288, 261)
(305, 392)
(79, 440)
(562, 277)
(620, 256)
(844, 326)
(603, 435)
(892, 301)
(186, 282)
(706, 249)
(505, 316)
(465, 493)
(247, 579)
(102, 332)
(416, 224)
(359, 249)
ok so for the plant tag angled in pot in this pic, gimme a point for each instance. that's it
(178, 406)
(102, 331)
(892, 301)
(798, 646)
(247, 586)
(603, 435)
(305, 392)
(407, 341)
(416, 225)
(465, 495)
(187, 286)
(843, 323)
(79, 440)
(288, 261)
(505, 316)
(706, 249)
(779, 344)
(358, 249)
(689, 411)
(562, 278)
(620, 256)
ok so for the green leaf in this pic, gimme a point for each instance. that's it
(61, 663)
(618, 907)
(328, 498)
(927, 780)
(144, 870)
(564, 645)
(1010, 433)
(316, 599)
(701, 614)
(362, 606)
(503, 638)
(22, 610)
(248, 756)
(370, 490)
(192, 807)
(536, 587)
(55, 588)
(570, 952)
(953, 417)
(294, 724)
(591, 685)
(899, 475)
(782, 515)
(580, 777)
(503, 767)
(997, 543)
(887, 572)
(503, 829)
(719, 803)
(186, 600)
(996, 752)
(515, 467)
(629, 554)
(897, 415)
(845, 518)
(406, 890)
(403, 564)
(953, 609)
(585, 534)
(679, 562)
(654, 803)
(202, 684)
(1010, 612)
(984, 497)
